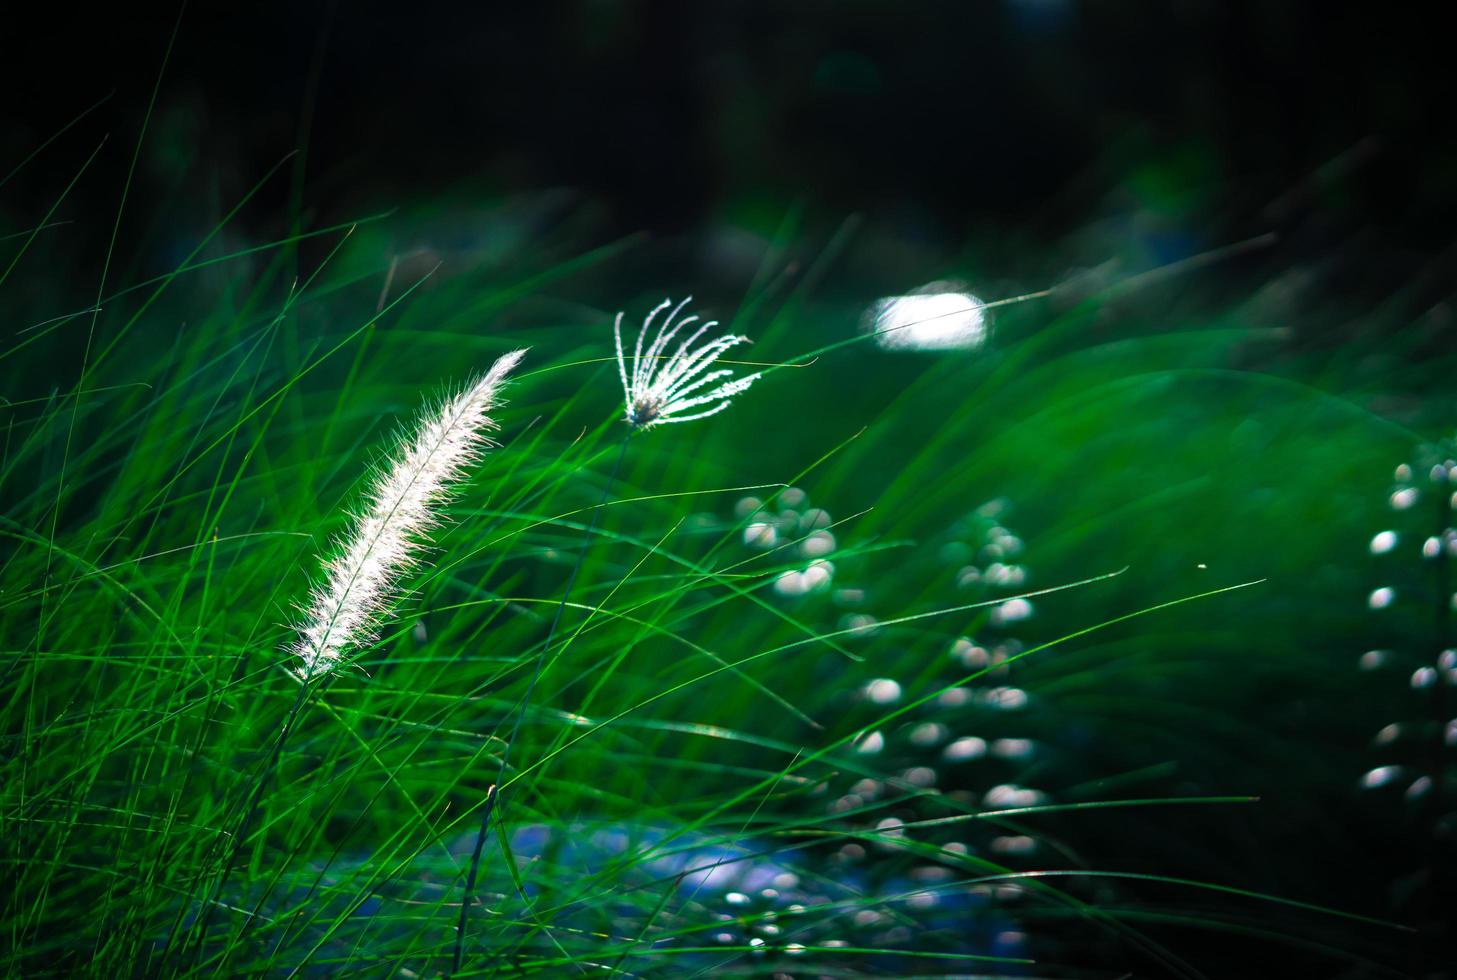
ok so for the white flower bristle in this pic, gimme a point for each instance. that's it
(659, 388)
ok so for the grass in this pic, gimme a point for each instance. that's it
(713, 774)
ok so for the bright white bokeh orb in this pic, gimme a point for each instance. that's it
(939, 316)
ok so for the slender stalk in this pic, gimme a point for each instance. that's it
(493, 793)
(255, 802)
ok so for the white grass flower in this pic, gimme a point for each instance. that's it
(659, 388)
(401, 508)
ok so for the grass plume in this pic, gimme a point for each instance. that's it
(402, 507)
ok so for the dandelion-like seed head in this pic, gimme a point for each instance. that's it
(658, 387)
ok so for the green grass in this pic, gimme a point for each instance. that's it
(1192, 495)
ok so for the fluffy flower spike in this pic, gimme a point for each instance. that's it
(660, 388)
(401, 507)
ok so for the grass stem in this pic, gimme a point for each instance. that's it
(492, 793)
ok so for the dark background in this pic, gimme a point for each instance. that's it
(941, 119)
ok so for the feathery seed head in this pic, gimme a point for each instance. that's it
(385, 537)
(659, 388)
